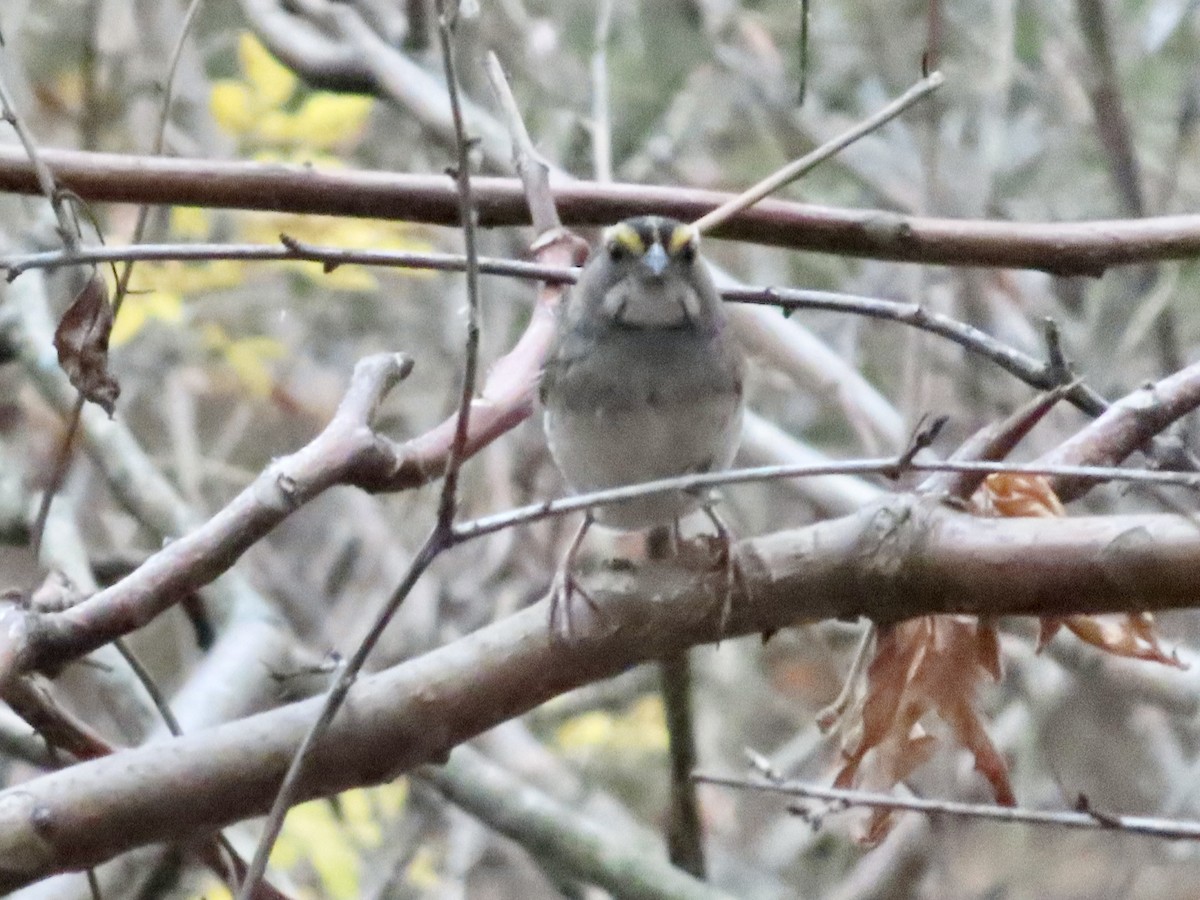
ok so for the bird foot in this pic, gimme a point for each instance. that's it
(566, 586)
(721, 552)
(562, 594)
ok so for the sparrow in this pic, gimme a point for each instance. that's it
(643, 381)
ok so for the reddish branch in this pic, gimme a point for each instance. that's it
(1127, 426)
(1063, 248)
(346, 452)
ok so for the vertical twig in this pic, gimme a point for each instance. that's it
(601, 120)
(467, 217)
(931, 58)
(290, 785)
(1116, 138)
(94, 885)
(63, 459)
(805, 15)
(68, 229)
(532, 169)
(441, 537)
(685, 834)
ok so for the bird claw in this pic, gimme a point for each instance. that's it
(734, 576)
(566, 585)
(562, 592)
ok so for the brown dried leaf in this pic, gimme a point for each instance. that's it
(926, 665)
(1048, 627)
(987, 649)
(81, 340)
(1017, 495)
(1132, 636)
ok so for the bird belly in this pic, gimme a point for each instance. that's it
(613, 447)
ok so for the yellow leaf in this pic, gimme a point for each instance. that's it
(68, 88)
(312, 833)
(586, 731)
(642, 729)
(422, 871)
(138, 310)
(191, 221)
(272, 81)
(646, 724)
(207, 276)
(358, 814)
(275, 127)
(248, 357)
(214, 336)
(128, 323)
(216, 890)
(233, 107)
(343, 278)
(325, 120)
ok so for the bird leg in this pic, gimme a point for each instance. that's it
(565, 585)
(726, 562)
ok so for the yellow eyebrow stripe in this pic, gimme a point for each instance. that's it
(627, 237)
(682, 236)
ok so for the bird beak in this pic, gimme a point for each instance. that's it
(655, 259)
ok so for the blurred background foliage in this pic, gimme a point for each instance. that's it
(226, 365)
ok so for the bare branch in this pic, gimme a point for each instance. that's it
(1065, 248)
(809, 161)
(439, 539)
(1176, 829)
(533, 170)
(415, 712)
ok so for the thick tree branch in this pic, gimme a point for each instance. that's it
(1063, 248)
(903, 558)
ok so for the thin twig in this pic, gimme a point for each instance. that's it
(151, 687)
(439, 538)
(794, 170)
(887, 466)
(601, 120)
(805, 16)
(63, 458)
(1025, 367)
(288, 248)
(468, 219)
(533, 170)
(290, 785)
(831, 715)
(1176, 829)
(68, 230)
(164, 115)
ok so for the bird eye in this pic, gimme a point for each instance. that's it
(687, 253)
(617, 251)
